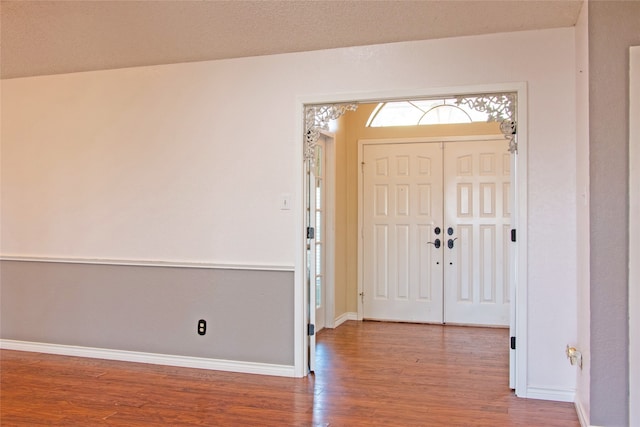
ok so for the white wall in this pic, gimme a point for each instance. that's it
(187, 162)
(161, 163)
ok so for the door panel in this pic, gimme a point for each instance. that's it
(320, 234)
(316, 247)
(311, 266)
(402, 207)
(477, 183)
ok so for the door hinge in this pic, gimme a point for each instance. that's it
(513, 343)
(310, 233)
(362, 167)
(311, 329)
(513, 234)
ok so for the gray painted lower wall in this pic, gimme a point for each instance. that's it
(249, 313)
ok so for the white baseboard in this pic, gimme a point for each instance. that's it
(582, 415)
(152, 358)
(344, 317)
(557, 395)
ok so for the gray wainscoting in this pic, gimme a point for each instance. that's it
(151, 309)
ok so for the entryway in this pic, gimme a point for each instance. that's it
(487, 267)
(436, 229)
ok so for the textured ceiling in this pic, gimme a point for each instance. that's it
(52, 37)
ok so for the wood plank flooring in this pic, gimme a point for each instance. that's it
(368, 373)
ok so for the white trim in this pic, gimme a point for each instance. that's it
(582, 414)
(300, 338)
(147, 263)
(520, 222)
(513, 274)
(360, 230)
(554, 394)
(330, 228)
(634, 235)
(344, 317)
(312, 252)
(412, 140)
(151, 358)
(403, 94)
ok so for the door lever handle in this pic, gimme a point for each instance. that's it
(436, 243)
(450, 242)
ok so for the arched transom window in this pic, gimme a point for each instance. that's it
(424, 112)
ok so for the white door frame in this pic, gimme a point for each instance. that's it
(519, 218)
(328, 156)
(330, 229)
(310, 223)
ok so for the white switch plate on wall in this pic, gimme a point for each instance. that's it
(285, 201)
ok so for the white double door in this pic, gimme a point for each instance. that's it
(436, 232)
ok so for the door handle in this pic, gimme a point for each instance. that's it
(436, 243)
(450, 242)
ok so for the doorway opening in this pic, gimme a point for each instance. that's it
(435, 221)
(348, 300)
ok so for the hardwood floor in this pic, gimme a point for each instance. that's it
(368, 373)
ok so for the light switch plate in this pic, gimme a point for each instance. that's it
(285, 201)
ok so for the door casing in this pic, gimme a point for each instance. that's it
(329, 229)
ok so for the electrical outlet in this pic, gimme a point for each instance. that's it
(202, 327)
